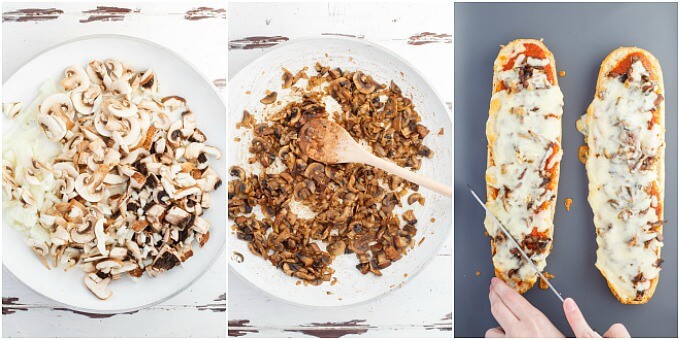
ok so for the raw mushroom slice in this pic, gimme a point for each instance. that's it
(75, 77)
(12, 110)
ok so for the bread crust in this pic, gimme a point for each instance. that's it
(609, 63)
(504, 55)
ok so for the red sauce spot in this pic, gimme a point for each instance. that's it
(535, 232)
(494, 193)
(625, 63)
(534, 51)
(654, 191)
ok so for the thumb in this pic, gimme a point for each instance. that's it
(617, 330)
(577, 321)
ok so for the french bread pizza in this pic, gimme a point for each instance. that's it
(624, 156)
(524, 133)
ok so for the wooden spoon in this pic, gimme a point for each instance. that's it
(327, 142)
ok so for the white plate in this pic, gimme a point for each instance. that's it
(175, 76)
(265, 73)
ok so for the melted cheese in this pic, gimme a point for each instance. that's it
(619, 140)
(523, 128)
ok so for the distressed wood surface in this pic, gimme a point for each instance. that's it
(28, 29)
(419, 34)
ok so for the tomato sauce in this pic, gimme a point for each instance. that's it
(625, 63)
(533, 51)
(654, 191)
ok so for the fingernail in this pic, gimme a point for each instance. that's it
(569, 304)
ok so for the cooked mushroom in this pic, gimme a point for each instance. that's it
(269, 98)
(353, 205)
(287, 78)
(364, 83)
(416, 197)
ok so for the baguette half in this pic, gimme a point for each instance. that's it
(524, 133)
(624, 156)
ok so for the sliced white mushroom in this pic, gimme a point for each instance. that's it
(121, 108)
(97, 73)
(12, 110)
(75, 77)
(86, 100)
(201, 225)
(101, 237)
(107, 265)
(86, 190)
(120, 87)
(26, 197)
(97, 286)
(174, 103)
(114, 68)
(212, 151)
(175, 133)
(56, 116)
(177, 216)
(188, 123)
(40, 249)
(148, 83)
(60, 236)
(82, 238)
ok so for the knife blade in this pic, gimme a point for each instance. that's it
(514, 243)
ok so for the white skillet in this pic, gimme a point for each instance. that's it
(245, 91)
(175, 76)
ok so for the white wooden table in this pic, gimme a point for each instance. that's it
(423, 307)
(200, 37)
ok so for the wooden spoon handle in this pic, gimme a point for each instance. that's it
(407, 174)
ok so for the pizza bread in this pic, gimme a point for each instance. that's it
(524, 133)
(624, 156)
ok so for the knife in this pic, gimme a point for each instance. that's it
(514, 242)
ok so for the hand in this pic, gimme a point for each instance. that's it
(518, 318)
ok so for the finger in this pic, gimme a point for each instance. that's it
(617, 330)
(515, 302)
(502, 314)
(577, 321)
(495, 333)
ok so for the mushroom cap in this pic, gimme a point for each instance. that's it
(86, 100)
(364, 83)
(58, 103)
(54, 128)
(86, 190)
(122, 108)
(114, 68)
(270, 98)
(75, 77)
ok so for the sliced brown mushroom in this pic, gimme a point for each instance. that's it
(364, 83)
(269, 98)
(416, 197)
(287, 78)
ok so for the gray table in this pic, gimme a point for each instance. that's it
(580, 36)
